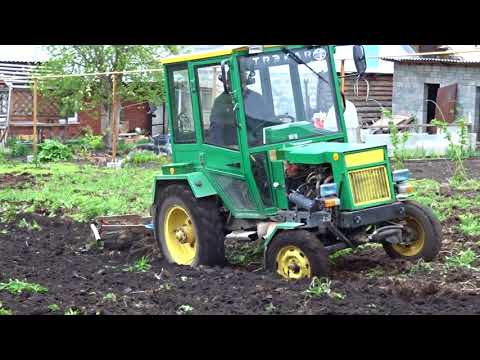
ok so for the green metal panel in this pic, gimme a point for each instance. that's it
(280, 226)
(199, 183)
(278, 176)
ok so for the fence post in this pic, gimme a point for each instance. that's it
(35, 114)
(114, 119)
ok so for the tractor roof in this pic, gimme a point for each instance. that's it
(206, 54)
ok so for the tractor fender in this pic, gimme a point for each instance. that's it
(198, 182)
(273, 231)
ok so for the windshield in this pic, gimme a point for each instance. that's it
(285, 99)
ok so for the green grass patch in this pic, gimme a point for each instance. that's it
(16, 287)
(141, 265)
(145, 157)
(83, 192)
(470, 224)
(464, 259)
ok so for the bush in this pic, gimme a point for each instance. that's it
(53, 150)
(17, 148)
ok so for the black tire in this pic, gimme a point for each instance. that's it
(311, 247)
(432, 233)
(207, 221)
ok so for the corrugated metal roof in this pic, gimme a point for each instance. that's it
(17, 74)
(426, 60)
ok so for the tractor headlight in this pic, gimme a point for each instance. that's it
(401, 175)
(328, 190)
(405, 188)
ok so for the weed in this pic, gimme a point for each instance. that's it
(24, 224)
(339, 254)
(184, 309)
(18, 148)
(376, 272)
(71, 311)
(247, 254)
(141, 265)
(270, 308)
(420, 267)
(457, 152)
(16, 287)
(110, 297)
(464, 259)
(320, 287)
(4, 311)
(398, 142)
(53, 307)
(470, 224)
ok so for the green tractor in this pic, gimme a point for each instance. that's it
(260, 145)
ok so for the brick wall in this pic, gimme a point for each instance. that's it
(409, 89)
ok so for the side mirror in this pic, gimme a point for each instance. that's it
(224, 77)
(360, 59)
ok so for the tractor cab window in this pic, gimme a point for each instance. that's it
(288, 96)
(218, 117)
(181, 111)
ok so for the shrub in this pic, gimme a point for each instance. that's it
(53, 150)
(17, 148)
(144, 157)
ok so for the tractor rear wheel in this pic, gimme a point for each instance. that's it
(424, 232)
(190, 231)
(297, 254)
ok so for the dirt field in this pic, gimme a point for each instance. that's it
(96, 281)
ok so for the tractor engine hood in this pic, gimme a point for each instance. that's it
(329, 152)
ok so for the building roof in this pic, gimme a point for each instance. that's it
(430, 60)
(16, 73)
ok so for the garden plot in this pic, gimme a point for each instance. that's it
(47, 267)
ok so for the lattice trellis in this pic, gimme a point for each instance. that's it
(22, 104)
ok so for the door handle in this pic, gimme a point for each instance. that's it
(235, 165)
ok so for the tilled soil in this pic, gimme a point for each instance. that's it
(83, 279)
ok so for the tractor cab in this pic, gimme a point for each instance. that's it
(259, 143)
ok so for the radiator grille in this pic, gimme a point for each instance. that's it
(369, 185)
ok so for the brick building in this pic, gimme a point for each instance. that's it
(16, 105)
(454, 84)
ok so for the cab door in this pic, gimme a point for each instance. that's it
(218, 136)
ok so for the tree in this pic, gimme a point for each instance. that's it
(73, 94)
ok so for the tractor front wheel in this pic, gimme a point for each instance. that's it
(297, 254)
(423, 235)
(189, 230)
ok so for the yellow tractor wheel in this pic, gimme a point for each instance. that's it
(189, 230)
(423, 235)
(297, 254)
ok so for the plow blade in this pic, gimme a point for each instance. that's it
(106, 225)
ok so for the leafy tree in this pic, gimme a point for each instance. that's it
(73, 94)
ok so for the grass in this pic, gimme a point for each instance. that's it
(16, 287)
(464, 259)
(141, 265)
(470, 224)
(322, 287)
(145, 157)
(86, 191)
(376, 272)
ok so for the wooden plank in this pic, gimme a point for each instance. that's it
(114, 120)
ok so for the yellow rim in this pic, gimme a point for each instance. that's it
(415, 246)
(292, 263)
(180, 235)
